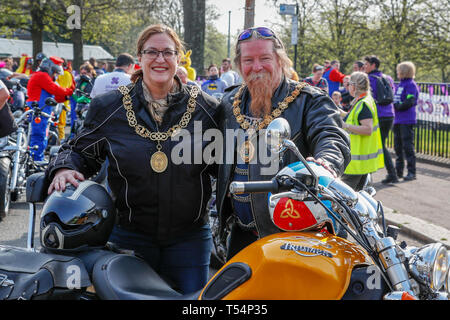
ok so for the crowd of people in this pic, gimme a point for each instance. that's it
(398, 115)
(379, 109)
(135, 110)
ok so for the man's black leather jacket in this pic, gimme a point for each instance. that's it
(164, 204)
(316, 129)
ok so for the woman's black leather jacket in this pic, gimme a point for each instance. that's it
(162, 205)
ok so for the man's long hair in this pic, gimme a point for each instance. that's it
(260, 84)
(278, 48)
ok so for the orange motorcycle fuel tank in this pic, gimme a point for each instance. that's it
(289, 266)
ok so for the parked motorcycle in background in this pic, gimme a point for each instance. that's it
(18, 95)
(16, 162)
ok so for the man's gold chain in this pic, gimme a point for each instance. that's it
(283, 105)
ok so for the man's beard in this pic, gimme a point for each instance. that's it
(260, 87)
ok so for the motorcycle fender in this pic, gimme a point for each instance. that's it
(293, 266)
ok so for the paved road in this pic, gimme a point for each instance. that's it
(14, 227)
(427, 198)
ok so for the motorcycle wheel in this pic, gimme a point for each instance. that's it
(5, 176)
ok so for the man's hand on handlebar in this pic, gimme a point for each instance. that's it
(323, 163)
(64, 176)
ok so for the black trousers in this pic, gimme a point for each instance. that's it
(404, 148)
(356, 181)
(386, 126)
(238, 240)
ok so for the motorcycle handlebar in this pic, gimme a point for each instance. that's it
(254, 187)
(22, 117)
(82, 93)
(46, 114)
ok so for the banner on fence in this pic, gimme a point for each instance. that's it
(433, 100)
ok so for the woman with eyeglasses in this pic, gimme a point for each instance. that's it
(361, 122)
(160, 192)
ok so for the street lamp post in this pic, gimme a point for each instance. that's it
(229, 26)
(292, 10)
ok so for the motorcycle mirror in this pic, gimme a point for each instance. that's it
(276, 133)
(50, 102)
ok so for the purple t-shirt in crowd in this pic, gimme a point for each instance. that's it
(405, 89)
(387, 110)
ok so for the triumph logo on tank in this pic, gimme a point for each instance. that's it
(306, 251)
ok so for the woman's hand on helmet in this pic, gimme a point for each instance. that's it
(64, 176)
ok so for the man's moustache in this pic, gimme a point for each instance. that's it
(254, 76)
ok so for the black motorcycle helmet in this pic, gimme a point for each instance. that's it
(40, 56)
(77, 218)
(47, 65)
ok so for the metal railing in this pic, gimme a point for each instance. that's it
(432, 132)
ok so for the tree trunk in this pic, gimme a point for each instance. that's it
(249, 14)
(77, 40)
(37, 28)
(77, 35)
(194, 31)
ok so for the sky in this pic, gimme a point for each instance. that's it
(263, 12)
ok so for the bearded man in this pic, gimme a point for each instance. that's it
(268, 93)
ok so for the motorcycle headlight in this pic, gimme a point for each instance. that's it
(429, 265)
(3, 142)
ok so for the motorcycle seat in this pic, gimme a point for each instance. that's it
(127, 277)
(36, 190)
(33, 274)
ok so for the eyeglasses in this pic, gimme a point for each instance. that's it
(262, 31)
(153, 54)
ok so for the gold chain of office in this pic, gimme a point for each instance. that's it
(158, 160)
(157, 136)
(283, 105)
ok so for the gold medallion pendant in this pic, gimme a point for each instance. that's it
(159, 161)
(247, 151)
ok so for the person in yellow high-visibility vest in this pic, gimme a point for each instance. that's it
(66, 81)
(361, 122)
